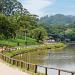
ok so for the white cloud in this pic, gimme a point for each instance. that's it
(36, 6)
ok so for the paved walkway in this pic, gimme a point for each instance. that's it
(5, 69)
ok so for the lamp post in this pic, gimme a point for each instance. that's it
(25, 36)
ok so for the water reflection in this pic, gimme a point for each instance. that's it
(64, 59)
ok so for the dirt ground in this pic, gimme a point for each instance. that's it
(5, 69)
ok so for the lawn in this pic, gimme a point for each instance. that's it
(14, 42)
(56, 47)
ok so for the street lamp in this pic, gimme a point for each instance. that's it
(25, 36)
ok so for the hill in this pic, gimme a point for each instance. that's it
(57, 19)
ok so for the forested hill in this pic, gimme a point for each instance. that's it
(57, 19)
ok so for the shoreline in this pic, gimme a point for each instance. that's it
(56, 46)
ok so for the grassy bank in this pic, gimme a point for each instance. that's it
(55, 46)
(14, 42)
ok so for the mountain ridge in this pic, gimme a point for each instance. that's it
(57, 19)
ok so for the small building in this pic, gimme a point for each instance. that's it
(49, 41)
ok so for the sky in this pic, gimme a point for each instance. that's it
(49, 7)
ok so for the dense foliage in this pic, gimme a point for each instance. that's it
(17, 22)
(9, 7)
(60, 27)
(57, 19)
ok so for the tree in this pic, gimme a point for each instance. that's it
(5, 26)
(70, 33)
(39, 33)
(9, 7)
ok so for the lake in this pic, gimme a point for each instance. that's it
(61, 59)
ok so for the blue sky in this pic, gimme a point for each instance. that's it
(49, 7)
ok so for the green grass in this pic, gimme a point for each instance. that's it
(13, 42)
(56, 46)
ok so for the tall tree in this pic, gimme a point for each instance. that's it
(6, 29)
(9, 7)
(39, 33)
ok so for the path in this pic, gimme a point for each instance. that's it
(7, 70)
